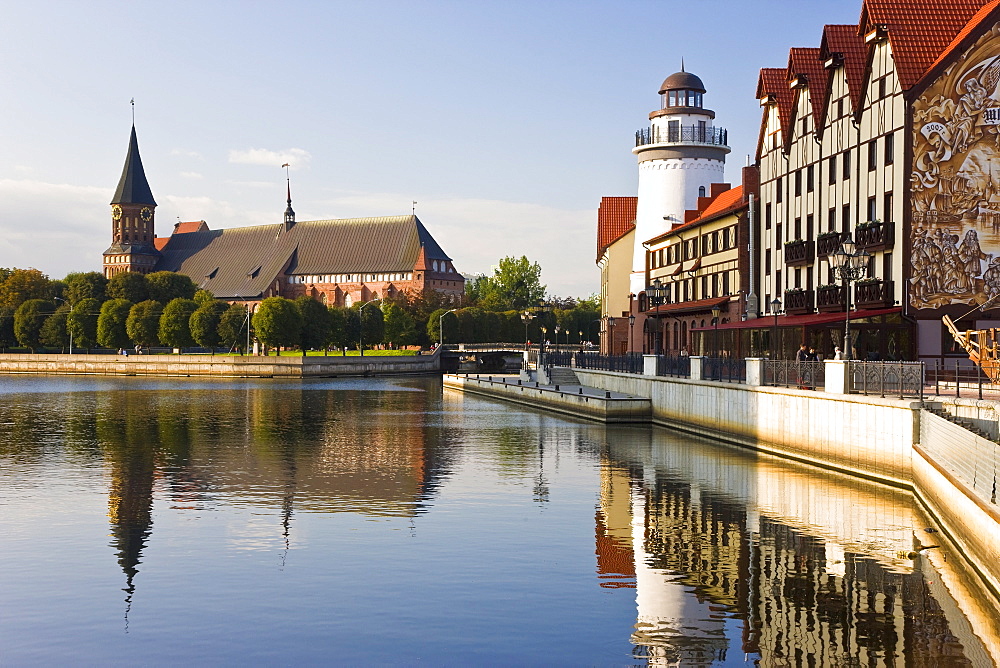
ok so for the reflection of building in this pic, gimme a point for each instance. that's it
(336, 261)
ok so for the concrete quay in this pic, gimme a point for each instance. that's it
(578, 400)
(226, 366)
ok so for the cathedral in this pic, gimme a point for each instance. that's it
(338, 262)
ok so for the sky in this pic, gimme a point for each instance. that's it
(506, 122)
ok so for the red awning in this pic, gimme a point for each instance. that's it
(767, 321)
(696, 306)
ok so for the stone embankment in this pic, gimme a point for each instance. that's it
(246, 366)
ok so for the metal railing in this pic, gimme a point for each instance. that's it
(727, 369)
(957, 379)
(559, 359)
(789, 373)
(683, 134)
(902, 379)
(627, 363)
(673, 365)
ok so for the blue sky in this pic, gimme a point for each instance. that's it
(506, 121)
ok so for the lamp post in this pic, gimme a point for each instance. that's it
(716, 312)
(631, 326)
(557, 330)
(361, 325)
(526, 318)
(849, 264)
(775, 309)
(611, 334)
(441, 324)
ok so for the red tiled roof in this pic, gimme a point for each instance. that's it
(160, 242)
(728, 201)
(845, 40)
(918, 30)
(773, 82)
(615, 219)
(978, 19)
(807, 62)
(191, 226)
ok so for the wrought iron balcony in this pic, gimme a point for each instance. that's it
(876, 235)
(683, 134)
(828, 243)
(798, 302)
(830, 298)
(800, 252)
(874, 294)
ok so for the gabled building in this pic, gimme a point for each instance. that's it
(615, 247)
(339, 262)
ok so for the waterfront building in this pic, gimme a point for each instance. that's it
(339, 262)
(615, 242)
(883, 134)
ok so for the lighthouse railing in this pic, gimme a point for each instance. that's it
(682, 134)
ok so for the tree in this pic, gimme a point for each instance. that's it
(450, 325)
(515, 284)
(400, 327)
(315, 323)
(28, 320)
(233, 326)
(203, 296)
(111, 332)
(21, 285)
(372, 325)
(338, 328)
(89, 285)
(7, 337)
(175, 327)
(204, 323)
(81, 322)
(277, 323)
(165, 286)
(54, 332)
(129, 286)
(143, 322)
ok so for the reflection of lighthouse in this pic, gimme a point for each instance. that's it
(674, 626)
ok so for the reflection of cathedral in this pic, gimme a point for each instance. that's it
(787, 583)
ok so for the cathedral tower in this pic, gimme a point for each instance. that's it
(680, 156)
(132, 212)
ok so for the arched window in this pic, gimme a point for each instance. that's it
(348, 301)
(701, 191)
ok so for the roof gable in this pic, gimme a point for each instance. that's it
(844, 44)
(806, 69)
(772, 86)
(615, 219)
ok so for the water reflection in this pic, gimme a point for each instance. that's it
(813, 564)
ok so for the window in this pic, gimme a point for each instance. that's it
(887, 206)
(805, 125)
(810, 180)
(809, 226)
(767, 261)
(833, 170)
(871, 209)
(767, 216)
(845, 217)
(847, 165)
(778, 194)
(872, 155)
(888, 149)
(777, 282)
(840, 107)
(881, 88)
(725, 282)
(777, 234)
(798, 228)
(701, 191)
(831, 220)
(798, 182)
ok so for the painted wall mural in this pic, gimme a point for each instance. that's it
(955, 237)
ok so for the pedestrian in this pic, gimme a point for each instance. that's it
(803, 354)
(812, 355)
(838, 354)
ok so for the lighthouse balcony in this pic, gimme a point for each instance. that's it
(682, 134)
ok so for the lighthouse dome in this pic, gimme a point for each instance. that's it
(682, 81)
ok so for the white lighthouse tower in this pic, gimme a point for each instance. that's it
(680, 155)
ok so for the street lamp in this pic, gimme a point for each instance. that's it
(775, 308)
(611, 334)
(631, 325)
(526, 318)
(556, 330)
(441, 323)
(716, 312)
(849, 264)
(361, 325)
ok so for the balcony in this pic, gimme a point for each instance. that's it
(683, 134)
(874, 294)
(799, 252)
(798, 302)
(876, 236)
(830, 298)
(828, 243)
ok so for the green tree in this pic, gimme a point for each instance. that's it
(165, 286)
(82, 322)
(175, 327)
(204, 323)
(450, 324)
(315, 323)
(28, 320)
(54, 332)
(7, 337)
(21, 285)
(143, 323)
(129, 286)
(372, 330)
(338, 328)
(400, 326)
(277, 323)
(89, 285)
(203, 296)
(233, 326)
(111, 332)
(515, 284)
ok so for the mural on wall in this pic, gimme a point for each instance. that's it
(955, 238)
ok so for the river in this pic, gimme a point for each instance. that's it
(386, 521)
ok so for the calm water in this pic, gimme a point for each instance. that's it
(390, 522)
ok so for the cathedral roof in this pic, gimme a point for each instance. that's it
(133, 187)
(245, 261)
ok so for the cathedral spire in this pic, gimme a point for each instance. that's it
(133, 188)
(289, 213)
